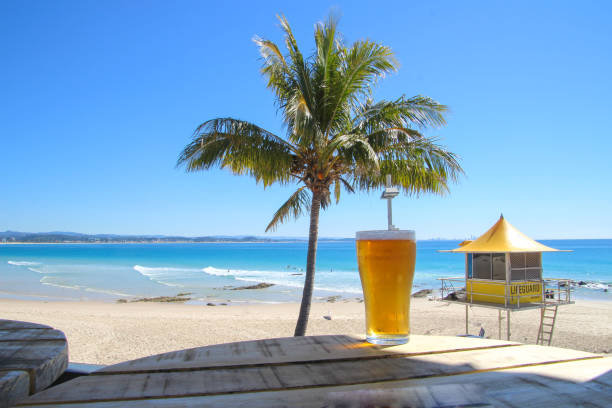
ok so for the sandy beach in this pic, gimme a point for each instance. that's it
(108, 333)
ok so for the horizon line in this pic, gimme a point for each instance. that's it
(281, 237)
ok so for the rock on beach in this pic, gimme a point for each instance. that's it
(262, 285)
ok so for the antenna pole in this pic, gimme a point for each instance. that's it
(388, 194)
(389, 215)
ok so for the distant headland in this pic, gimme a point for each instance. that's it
(15, 237)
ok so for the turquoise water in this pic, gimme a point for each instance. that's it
(112, 271)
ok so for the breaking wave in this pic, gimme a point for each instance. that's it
(45, 281)
(596, 286)
(23, 263)
(48, 280)
(164, 275)
(282, 278)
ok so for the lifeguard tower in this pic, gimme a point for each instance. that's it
(503, 271)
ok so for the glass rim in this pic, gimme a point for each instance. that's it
(385, 235)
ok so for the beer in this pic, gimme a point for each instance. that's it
(386, 268)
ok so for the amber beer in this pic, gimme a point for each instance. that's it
(386, 267)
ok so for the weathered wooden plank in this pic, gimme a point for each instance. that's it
(44, 360)
(583, 383)
(39, 350)
(31, 335)
(32, 357)
(293, 349)
(52, 368)
(14, 385)
(451, 395)
(17, 325)
(562, 385)
(323, 373)
(569, 384)
(464, 395)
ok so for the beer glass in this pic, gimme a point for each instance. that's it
(386, 267)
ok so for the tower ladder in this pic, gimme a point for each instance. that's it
(547, 324)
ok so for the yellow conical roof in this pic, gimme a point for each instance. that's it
(503, 237)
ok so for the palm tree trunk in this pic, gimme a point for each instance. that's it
(311, 259)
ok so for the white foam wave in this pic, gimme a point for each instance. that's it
(356, 291)
(280, 282)
(23, 263)
(57, 285)
(275, 277)
(153, 271)
(597, 285)
(281, 278)
(36, 270)
(229, 272)
(173, 285)
(45, 281)
(107, 292)
(163, 275)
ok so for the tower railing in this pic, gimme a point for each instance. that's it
(553, 291)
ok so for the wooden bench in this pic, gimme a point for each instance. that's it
(345, 371)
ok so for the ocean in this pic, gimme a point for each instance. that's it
(209, 272)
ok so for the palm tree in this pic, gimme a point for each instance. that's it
(336, 136)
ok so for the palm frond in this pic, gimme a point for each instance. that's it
(383, 139)
(401, 113)
(327, 43)
(337, 190)
(301, 100)
(327, 65)
(270, 51)
(351, 148)
(416, 167)
(363, 64)
(347, 185)
(423, 111)
(296, 205)
(242, 147)
(325, 199)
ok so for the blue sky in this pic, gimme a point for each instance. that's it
(97, 99)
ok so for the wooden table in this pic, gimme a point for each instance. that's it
(32, 357)
(326, 371)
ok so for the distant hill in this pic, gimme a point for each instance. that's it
(9, 234)
(75, 237)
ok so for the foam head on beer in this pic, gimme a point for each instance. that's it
(386, 260)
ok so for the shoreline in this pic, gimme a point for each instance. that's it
(108, 332)
(225, 296)
(581, 290)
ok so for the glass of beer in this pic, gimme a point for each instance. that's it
(386, 267)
